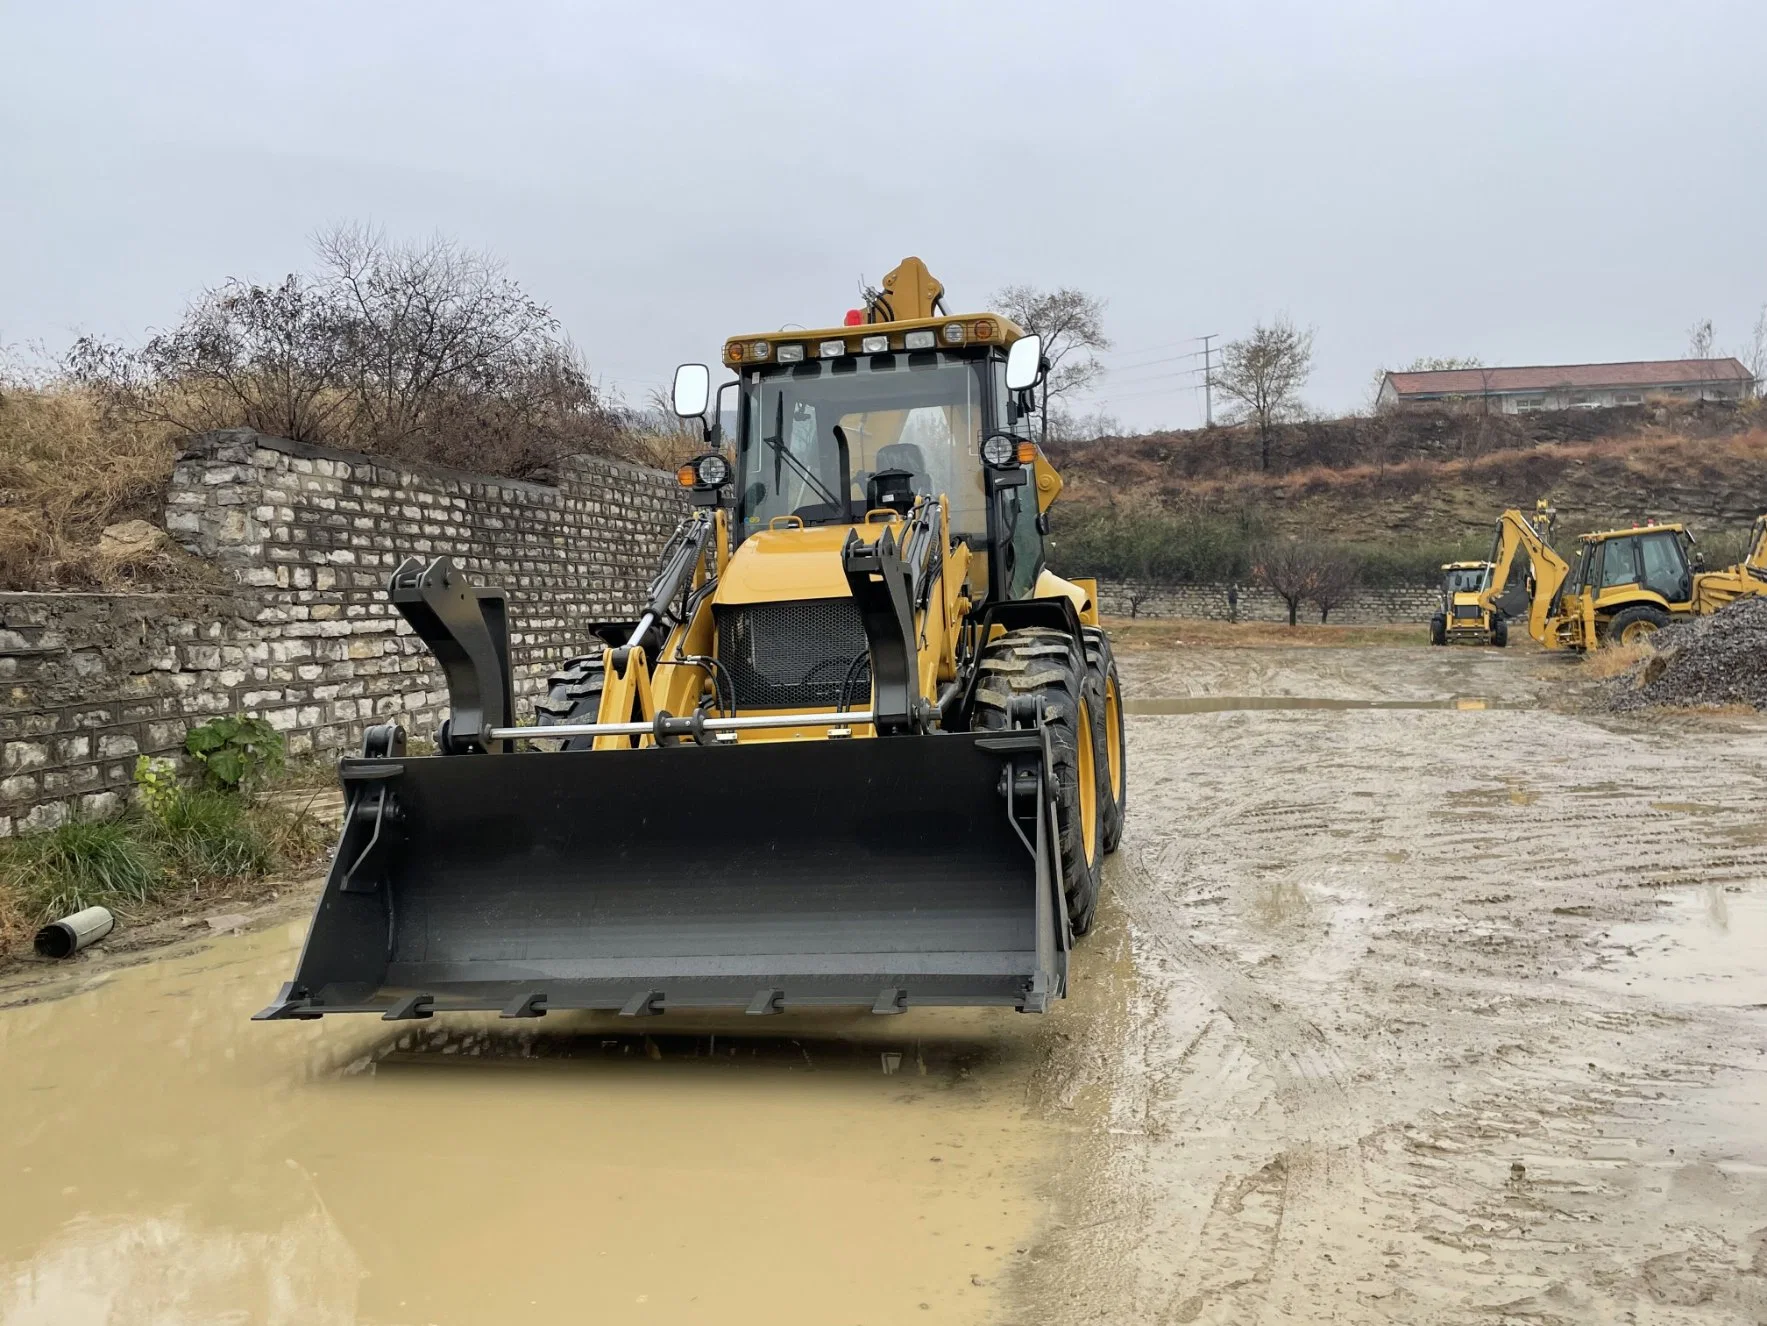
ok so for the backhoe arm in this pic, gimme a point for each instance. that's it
(1516, 533)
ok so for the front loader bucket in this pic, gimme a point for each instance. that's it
(873, 872)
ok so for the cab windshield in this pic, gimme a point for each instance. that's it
(1466, 579)
(815, 433)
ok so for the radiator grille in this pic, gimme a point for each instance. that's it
(794, 655)
(1463, 611)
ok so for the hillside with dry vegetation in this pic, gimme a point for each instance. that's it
(1409, 490)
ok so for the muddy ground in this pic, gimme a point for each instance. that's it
(1416, 999)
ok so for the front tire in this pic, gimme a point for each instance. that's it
(1050, 665)
(573, 695)
(1635, 625)
(1500, 632)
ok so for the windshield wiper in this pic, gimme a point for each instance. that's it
(777, 442)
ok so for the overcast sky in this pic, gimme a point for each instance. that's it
(1536, 182)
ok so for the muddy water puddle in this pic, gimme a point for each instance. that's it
(1706, 946)
(166, 1160)
(1216, 704)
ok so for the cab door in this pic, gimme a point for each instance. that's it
(1663, 567)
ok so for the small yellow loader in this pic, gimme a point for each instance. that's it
(1464, 618)
(1625, 584)
(860, 748)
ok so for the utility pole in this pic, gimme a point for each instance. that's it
(1208, 381)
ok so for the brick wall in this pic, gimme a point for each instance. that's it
(305, 539)
(1368, 607)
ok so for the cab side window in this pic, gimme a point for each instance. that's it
(1619, 563)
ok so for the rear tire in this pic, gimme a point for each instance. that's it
(1049, 664)
(1438, 629)
(1634, 625)
(573, 695)
(1109, 749)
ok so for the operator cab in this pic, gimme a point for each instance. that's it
(838, 427)
(1658, 558)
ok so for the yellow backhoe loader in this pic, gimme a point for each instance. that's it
(1464, 619)
(861, 747)
(1625, 583)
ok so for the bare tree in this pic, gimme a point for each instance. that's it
(1290, 569)
(1335, 581)
(1071, 323)
(1264, 374)
(427, 351)
(1700, 339)
(1754, 354)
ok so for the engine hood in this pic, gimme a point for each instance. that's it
(781, 565)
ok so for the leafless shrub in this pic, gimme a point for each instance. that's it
(1335, 579)
(1295, 570)
(426, 351)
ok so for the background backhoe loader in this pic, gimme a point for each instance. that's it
(861, 747)
(1464, 618)
(1625, 583)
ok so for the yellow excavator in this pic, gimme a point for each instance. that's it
(860, 747)
(1625, 583)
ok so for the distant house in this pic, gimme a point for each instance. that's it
(1570, 386)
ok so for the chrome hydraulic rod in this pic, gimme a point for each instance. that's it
(851, 718)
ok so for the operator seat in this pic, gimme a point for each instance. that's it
(907, 456)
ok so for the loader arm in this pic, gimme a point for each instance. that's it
(1516, 533)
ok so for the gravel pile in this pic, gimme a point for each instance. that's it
(1702, 663)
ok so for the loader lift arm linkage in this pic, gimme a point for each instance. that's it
(859, 748)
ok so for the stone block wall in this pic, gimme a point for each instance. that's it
(305, 539)
(1368, 607)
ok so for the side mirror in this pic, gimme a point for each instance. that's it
(693, 390)
(1023, 363)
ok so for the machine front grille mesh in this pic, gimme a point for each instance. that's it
(794, 655)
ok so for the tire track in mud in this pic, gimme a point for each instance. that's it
(1366, 1079)
(1270, 1237)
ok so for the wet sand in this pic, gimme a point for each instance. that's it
(1413, 999)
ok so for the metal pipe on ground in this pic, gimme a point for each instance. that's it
(66, 937)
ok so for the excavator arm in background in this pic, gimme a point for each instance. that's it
(1755, 560)
(1519, 533)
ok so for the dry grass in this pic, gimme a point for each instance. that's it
(67, 471)
(1164, 632)
(1615, 660)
